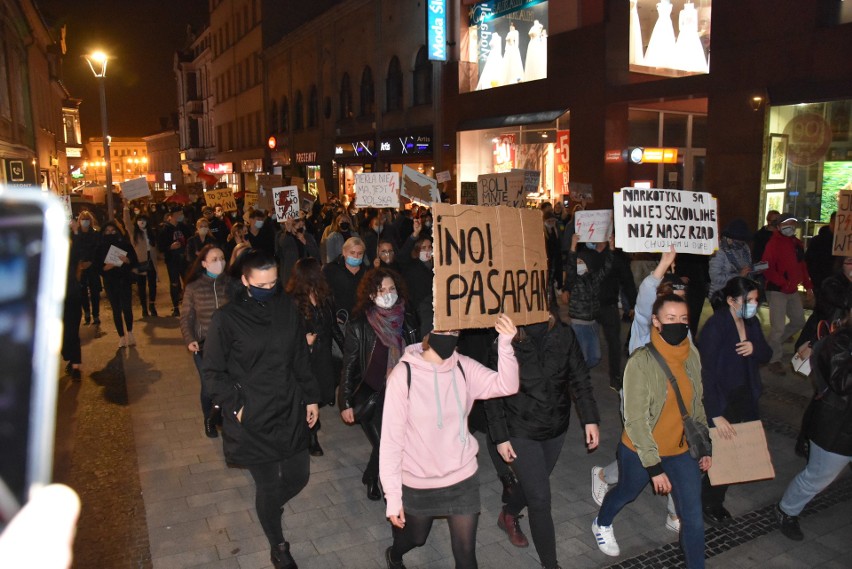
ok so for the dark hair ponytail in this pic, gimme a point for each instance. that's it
(737, 287)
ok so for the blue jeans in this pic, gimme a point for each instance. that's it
(823, 467)
(590, 344)
(685, 477)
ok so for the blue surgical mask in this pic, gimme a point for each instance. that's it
(748, 310)
(261, 294)
(353, 261)
(258, 224)
(590, 245)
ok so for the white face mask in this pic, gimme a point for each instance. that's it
(425, 256)
(582, 269)
(788, 231)
(216, 267)
(386, 300)
(142, 224)
(85, 223)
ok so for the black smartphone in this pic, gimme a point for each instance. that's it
(33, 274)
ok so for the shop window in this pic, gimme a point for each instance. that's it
(674, 130)
(669, 37)
(313, 107)
(298, 112)
(368, 93)
(699, 131)
(273, 117)
(422, 78)
(345, 97)
(285, 114)
(644, 128)
(503, 43)
(394, 86)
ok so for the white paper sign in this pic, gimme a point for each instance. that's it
(377, 189)
(66, 203)
(418, 187)
(113, 256)
(135, 188)
(593, 226)
(286, 199)
(652, 220)
(443, 176)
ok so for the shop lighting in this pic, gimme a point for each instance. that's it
(756, 103)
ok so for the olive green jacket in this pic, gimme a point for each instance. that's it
(645, 389)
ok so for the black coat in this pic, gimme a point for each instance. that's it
(553, 373)
(818, 257)
(358, 345)
(122, 274)
(830, 422)
(325, 366)
(343, 284)
(256, 357)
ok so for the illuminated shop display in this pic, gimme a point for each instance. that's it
(669, 37)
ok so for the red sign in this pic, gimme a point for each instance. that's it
(504, 153)
(810, 137)
(562, 159)
(611, 156)
(219, 167)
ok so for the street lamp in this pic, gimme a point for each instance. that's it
(98, 64)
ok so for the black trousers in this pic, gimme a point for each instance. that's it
(120, 295)
(90, 288)
(373, 430)
(71, 317)
(276, 483)
(176, 269)
(610, 322)
(146, 284)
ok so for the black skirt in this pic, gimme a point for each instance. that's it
(461, 498)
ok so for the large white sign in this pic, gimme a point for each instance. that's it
(418, 187)
(377, 189)
(286, 201)
(652, 220)
(135, 188)
(593, 226)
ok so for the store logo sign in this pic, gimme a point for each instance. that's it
(436, 24)
(385, 147)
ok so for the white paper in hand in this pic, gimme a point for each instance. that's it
(113, 256)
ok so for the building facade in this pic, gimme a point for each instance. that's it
(164, 163)
(129, 159)
(73, 138)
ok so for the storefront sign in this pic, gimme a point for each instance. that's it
(224, 198)
(843, 225)
(593, 226)
(653, 220)
(377, 189)
(810, 137)
(135, 189)
(612, 156)
(562, 161)
(360, 148)
(488, 261)
(504, 152)
(406, 145)
(19, 172)
(653, 155)
(505, 188)
(306, 157)
(436, 29)
(286, 202)
(219, 167)
(418, 187)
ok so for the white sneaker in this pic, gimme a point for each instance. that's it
(599, 486)
(122, 342)
(673, 523)
(131, 340)
(605, 537)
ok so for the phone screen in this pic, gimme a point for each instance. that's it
(23, 424)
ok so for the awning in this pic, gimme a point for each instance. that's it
(512, 120)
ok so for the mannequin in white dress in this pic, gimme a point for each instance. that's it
(661, 47)
(689, 51)
(535, 65)
(512, 58)
(492, 74)
(636, 49)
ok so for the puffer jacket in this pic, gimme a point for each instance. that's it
(201, 298)
(830, 423)
(584, 303)
(358, 344)
(553, 373)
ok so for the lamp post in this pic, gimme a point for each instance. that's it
(98, 64)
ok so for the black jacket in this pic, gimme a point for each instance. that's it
(553, 373)
(818, 257)
(325, 366)
(169, 234)
(343, 284)
(256, 357)
(584, 303)
(358, 344)
(124, 273)
(830, 423)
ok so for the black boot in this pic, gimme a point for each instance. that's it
(152, 308)
(315, 448)
(509, 481)
(144, 311)
(281, 558)
(391, 563)
(210, 422)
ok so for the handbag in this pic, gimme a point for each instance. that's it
(364, 402)
(697, 435)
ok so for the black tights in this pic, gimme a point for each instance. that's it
(462, 537)
(276, 483)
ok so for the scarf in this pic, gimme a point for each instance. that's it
(387, 324)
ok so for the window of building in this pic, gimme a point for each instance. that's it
(345, 97)
(285, 114)
(298, 112)
(313, 108)
(5, 95)
(368, 93)
(422, 78)
(394, 85)
(669, 38)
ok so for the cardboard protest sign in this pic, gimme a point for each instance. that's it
(469, 192)
(443, 176)
(418, 187)
(286, 202)
(96, 193)
(652, 220)
(743, 458)
(842, 246)
(593, 226)
(250, 200)
(298, 182)
(532, 178)
(580, 191)
(66, 204)
(488, 261)
(135, 189)
(377, 189)
(321, 192)
(269, 181)
(503, 188)
(224, 198)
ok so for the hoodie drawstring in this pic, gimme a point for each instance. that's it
(462, 422)
(437, 397)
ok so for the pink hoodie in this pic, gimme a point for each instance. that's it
(425, 438)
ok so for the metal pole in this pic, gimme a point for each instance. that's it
(107, 157)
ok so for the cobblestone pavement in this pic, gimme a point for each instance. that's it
(200, 513)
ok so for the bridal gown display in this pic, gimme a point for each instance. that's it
(689, 51)
(512, 58)
(535, 65)
(636, 49)
(661, 47)
(492, 74)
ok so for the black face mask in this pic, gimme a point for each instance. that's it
(261, 294)
(344, 227)
(443, 344)
(674, 334)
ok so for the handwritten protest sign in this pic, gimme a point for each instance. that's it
(843, 225)
(743, 458)
(504, 188)
(114, 255)
(224, 198)
(418, 187)
(650, 220)
(269, 181)
(377, 189)
(532, 178)
(286, 202)
(593, 226)
(469, 192)
(488, 260)
(443, 176)
(66, 204)
(250, 200)
(135, 188)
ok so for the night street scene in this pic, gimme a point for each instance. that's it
(425, 284)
